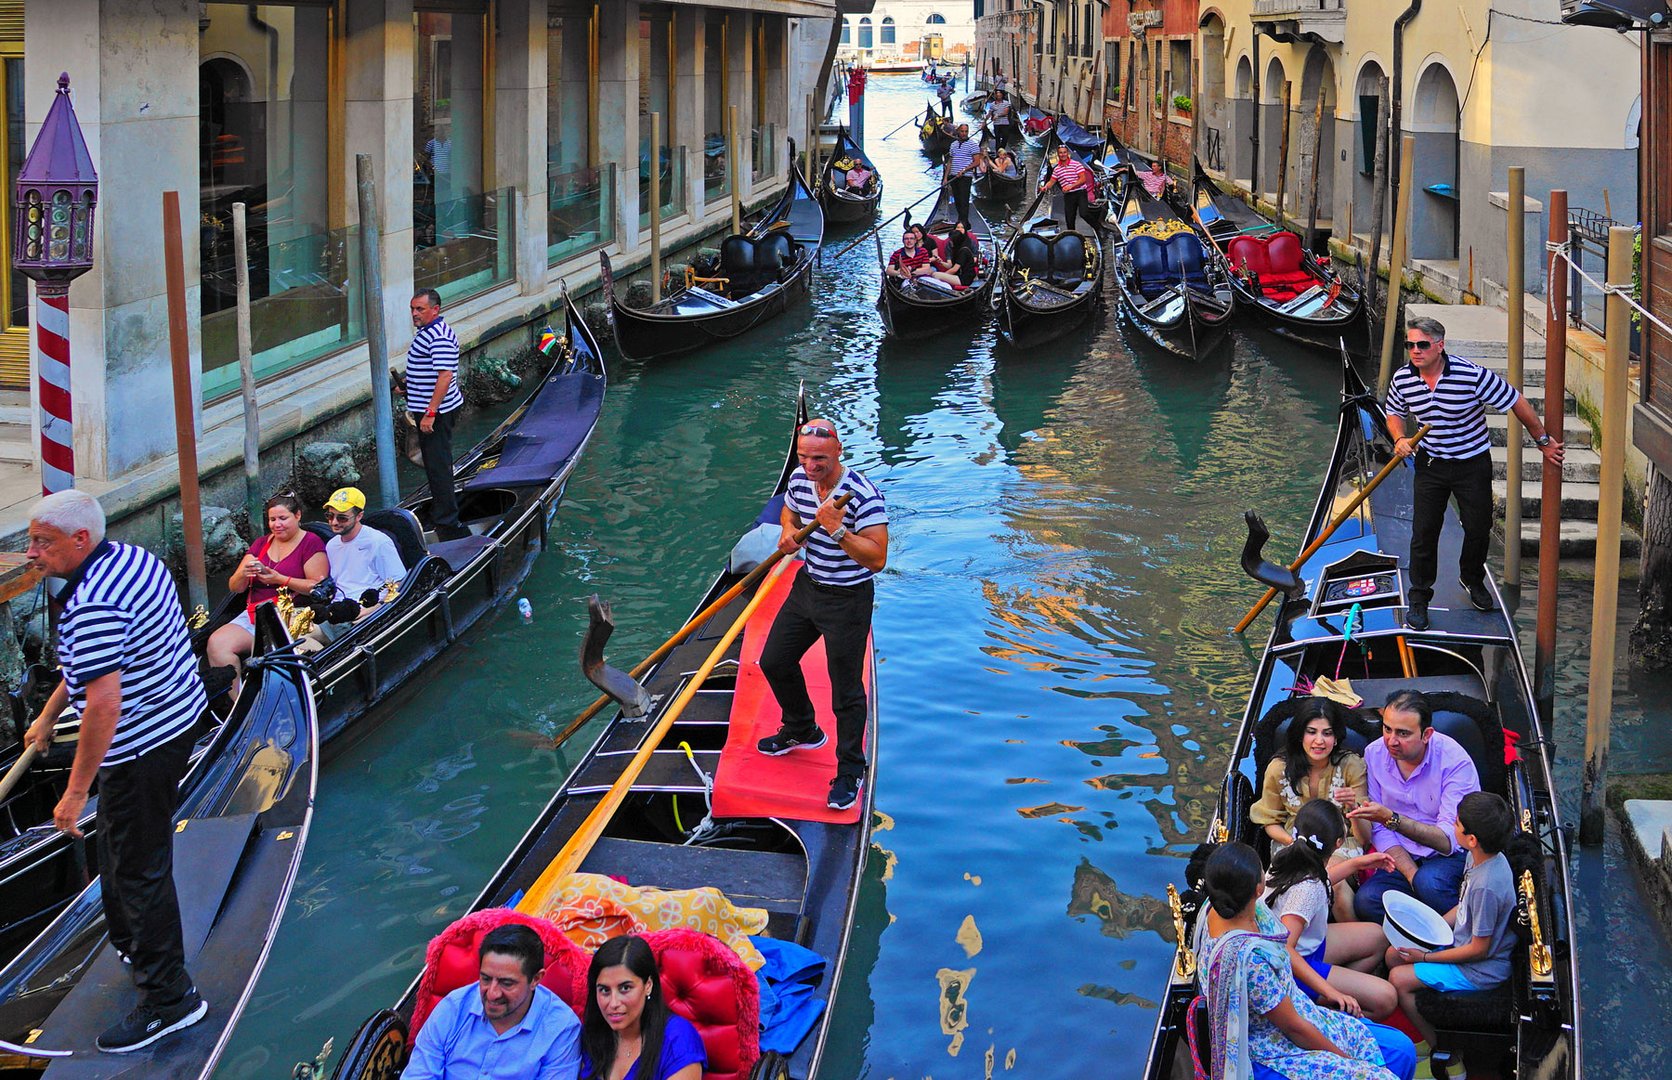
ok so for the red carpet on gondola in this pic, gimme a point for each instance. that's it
(795, 786)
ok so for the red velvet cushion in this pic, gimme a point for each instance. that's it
(1283, 253)
(1249, 253)
(452, 961)
(710, 986)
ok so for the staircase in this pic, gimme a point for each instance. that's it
(1581, 467)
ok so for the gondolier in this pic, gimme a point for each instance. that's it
(831, 598)
(1452, 394)
(433, 399)
(963, 158)
(1077, 184)
(129, 674)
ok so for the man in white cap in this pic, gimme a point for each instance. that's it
(362, 559)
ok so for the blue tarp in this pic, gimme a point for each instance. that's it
(548, 434)
(788, 981)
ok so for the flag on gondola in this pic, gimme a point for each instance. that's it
(548, 341)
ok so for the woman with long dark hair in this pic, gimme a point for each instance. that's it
(288, 557)
(628, 1033)
(1264, 1028)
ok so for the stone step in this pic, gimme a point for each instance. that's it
(1577, 434)
(1579, 540)
(1579, 501)
(16, 447)
(1581, 465)
(15, 416)
(1535, 398)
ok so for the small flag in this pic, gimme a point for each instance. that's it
(548, 341)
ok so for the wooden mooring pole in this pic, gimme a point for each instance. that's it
(1283, 155)
(1516, 286)
(1396, 264)
(1550, 494)
(1312, 185)
(377, 333)
(185, 425)
(246, 373)
(655, 208)
(733, 162)
(1604, 607)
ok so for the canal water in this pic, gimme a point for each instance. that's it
(1057, 684)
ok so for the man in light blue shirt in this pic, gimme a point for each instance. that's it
(506, 1027)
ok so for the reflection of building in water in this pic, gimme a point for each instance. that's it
(1119, 914)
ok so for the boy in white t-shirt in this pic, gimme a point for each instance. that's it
(362, 560)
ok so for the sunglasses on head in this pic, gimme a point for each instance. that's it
(817, 431)
(1418, 344)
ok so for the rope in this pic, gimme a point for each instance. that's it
(1623, 291)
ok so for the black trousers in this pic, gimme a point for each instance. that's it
(438, 468)
(1438, 480)
(1074, 204)
(961, 194)
(841, 614)
(135, 842)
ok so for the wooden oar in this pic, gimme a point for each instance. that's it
(932, 193)
(1323, 537)
(15, 773)
(912, 119)
(695, 621)
(575, 850)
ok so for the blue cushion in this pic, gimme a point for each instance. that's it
(1184, 258)
(1149, 259)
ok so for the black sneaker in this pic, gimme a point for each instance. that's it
(1416, 615)
(782, 743)
(844, 792)
(145, 1025)
(1479, 595)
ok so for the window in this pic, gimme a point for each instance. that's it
(865, 33)
(935, 19)
(847, 32)
(887, 37)
(716, 149)
(580, 215)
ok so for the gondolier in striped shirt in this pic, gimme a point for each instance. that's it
(963, 158)
(1076, 183)
(129, 674)
(433, 398)
(1454, 458)
(831, 598)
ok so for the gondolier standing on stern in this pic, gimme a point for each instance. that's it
(433, 399)
(129, 673)
(1455, 458)
(831, 598)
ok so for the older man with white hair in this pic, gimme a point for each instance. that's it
(129, 674)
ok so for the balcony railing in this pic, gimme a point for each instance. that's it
(1264, 9)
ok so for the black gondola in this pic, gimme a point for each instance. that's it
(844, 204)
(804, 869)
(759, 274)
(1007, 186)
(1049, 278)
(1469, 664)
(1173, 285)
(1068, 132)
(921, 304)
(1294, 294)
(934, 134)
(238, 842)
(975, 104)
(1037, 126)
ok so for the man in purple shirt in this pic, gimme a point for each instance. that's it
(1417, 776)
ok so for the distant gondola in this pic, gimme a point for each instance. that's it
(909, 307)
(1037, 126)
(1084, 145)
(1173, 286)
(238, 840)
(1293, 294)
(1006, 187)
(751, 831)
(976, 104)
(843, 204)
(1049, 278)
(934, 134)
(758, 275)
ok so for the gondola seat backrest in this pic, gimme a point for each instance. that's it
(452, 961)
(1068, 260)
(709, 985)
(1149, 262)
(737, 256)
(1276, 259)
(775, 251)
(1032, 254)
(401, 526)
(1184, 260)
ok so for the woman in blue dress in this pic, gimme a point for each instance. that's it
(628, 1033)
(1263, 1027)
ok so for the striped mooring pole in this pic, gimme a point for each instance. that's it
(52, 334)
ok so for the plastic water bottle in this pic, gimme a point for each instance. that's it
(525, 609)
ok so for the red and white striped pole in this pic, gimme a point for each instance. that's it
(52, 334)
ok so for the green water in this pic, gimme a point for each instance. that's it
(1058, 689)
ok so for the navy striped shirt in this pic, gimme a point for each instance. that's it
(434, 349)
(826, 561)
(122, 613)
(1456, 406)
(961, 155)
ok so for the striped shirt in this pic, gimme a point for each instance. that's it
(1456, 406)
(907, 263)
(434, 349)
(826, 561)
(1070, 175)
(122, 613)
(961, 155)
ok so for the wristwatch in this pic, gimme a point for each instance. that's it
(839, 533)
(1393, 822)
(1544, 440)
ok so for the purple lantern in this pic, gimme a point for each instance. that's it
(56, 192)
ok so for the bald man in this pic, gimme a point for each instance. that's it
(832, 599)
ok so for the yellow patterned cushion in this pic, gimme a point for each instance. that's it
(591, 908)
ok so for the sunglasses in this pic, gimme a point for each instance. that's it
(332, 516)
(817, 431)
(1418, 344)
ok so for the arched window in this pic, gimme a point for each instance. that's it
(847, 31)
(887, 30)
(935, 19)
(865, 33)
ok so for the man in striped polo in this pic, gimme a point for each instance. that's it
(129, 674)
(1077, 184)
(1455, 458)
(831, 598)
(963, 158)
(433, 398)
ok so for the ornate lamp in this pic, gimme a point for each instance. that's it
(52, 242)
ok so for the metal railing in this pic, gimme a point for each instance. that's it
(464, 246)
(1213, 148)
(1588, 235)
(673, 186)
(580, 211)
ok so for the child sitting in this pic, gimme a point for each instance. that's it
(1482, 936)
(1298, 892)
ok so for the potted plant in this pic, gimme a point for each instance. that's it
(1182, 103)
(1159, 98)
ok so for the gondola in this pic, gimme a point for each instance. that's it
(1006, 187)
(1037, 126)
(975, 104)
(1068, 132)
(238, 839)
(1173, 286)
(843, 204)
(1294, 294)
(767, 842)
(934, 134)
(1469, 664)
(508, 487)
(922, 304)
(758, 275)
(1049, 278)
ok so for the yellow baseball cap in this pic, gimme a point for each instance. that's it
(348, 498)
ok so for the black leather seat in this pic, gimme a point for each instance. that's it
(319, 529)
(400, 525)
(737, 256)
(1032, 254)
(774, 252)
(1068, 260)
